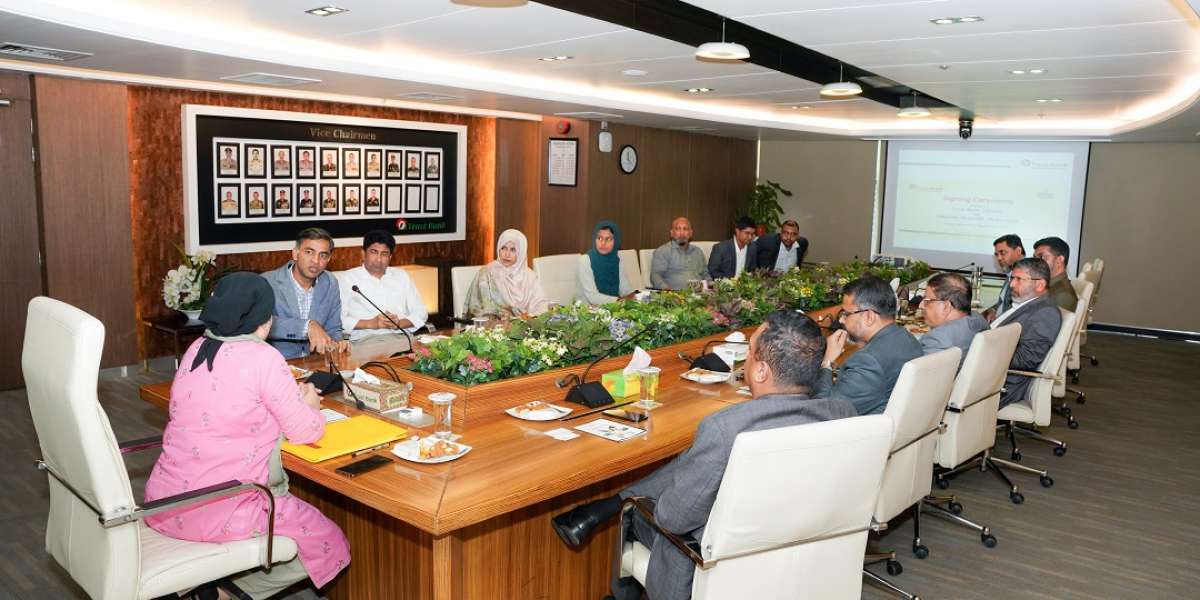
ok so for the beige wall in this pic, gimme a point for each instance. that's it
(1141, 216)
(833, 193)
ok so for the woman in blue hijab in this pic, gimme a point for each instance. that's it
(601, 278)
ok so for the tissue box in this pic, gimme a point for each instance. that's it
(621, 385)
(385, 395)
(731, 353)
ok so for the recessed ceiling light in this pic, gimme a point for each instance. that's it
(634, 72)
(805, 107)
(1036, 71)
(1027, 71)
(327, 11)
(955, 20)
(1045, 100)
(555, 58)
(698, 90)
(1017, 72)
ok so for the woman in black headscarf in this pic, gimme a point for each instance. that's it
(232, 402)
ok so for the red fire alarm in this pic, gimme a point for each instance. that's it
(563, 127)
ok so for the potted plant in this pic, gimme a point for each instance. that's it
(188, 286)
(763, 206)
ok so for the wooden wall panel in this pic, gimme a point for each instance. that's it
(21, 277)
(518, 190)
(83, 174)
(663, 163)
(155, 150)
(708, 200)
(612, 194)
(564, 209)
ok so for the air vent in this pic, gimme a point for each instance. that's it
(38, 52)
(694, 129)
(270, 79)
(590, 115)
(429, 96)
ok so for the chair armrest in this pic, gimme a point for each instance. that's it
(1034, 374)
(963, 408)
(684, 543)
(140, 444)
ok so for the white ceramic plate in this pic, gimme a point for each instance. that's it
(705, 376)
(429, 339)
(409, 451)
(549, 413)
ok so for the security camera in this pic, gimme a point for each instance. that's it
(965, 128)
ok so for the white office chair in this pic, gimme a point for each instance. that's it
(646, 258)
(916, 406)
(1083, 291)
(1035, 408)
(633, 271)
(971, 420)
(791, 518)
(559, 275)
(461, 279)
(1093, 272)
(94, 530)
(706, 248)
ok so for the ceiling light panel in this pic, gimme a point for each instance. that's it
(328, 10)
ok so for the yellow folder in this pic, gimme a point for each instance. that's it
(346, 436)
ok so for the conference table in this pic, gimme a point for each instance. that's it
(479, 526)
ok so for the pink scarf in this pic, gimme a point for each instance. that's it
(518, 284)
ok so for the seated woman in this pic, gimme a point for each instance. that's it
(601, 278)
(233, 400)
(506, 287)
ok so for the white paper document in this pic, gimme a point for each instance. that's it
(610, 430)
(331, 415)
(562, 434)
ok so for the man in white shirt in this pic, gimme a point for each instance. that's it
(778, 252)
(389, 287)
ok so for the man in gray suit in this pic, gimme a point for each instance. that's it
(728, 258)
(868, 316)
(1040, 321)
(781, 365)
(308, 306)
(947, 310)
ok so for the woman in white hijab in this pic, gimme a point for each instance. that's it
(506, 287)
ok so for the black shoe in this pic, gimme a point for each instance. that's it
(575, 526)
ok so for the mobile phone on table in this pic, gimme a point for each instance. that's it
(362, 466)
(632, 416)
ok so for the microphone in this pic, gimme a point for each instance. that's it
(709, 360)
(332, 382)
(389, 317)
(593, 394)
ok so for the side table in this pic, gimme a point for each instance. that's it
(176, 326)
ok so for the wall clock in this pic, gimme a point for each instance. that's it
(628, 160)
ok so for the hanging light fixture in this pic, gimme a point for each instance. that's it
(722, 50)
(841, 88)
(915, 111)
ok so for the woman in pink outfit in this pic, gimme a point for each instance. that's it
(232, 402)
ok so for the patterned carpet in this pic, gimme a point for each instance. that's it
(1118, 523)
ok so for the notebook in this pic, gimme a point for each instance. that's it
(346, 436)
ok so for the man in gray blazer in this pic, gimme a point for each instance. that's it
(1040, 321)
(728, 258)
(947, 310)
(868, 316)
(308, 306)
(781, 365)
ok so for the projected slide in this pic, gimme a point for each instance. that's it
(946, 202)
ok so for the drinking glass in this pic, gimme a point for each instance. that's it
(442, 403)
(649, 384)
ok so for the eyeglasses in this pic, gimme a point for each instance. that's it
(928, 299)
(1023, 278)
(842, 314)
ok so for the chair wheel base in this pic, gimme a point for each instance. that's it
(1046, 480)
(988, 540)
(1015, 456)
(1073, 423)
(1060, 450)
(894, 568)
(955, 507)
(921, 551)
(1095, 362)
(1016, 497)
(942, 483)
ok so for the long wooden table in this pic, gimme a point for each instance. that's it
(478, 527)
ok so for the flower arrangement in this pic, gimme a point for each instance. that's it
(575, 334)
(186, 287)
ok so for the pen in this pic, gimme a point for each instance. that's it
(369, 450)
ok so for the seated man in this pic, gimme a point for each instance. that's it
(780, 251)
(677, 262)
(781, 365)
(1056, 253)
(388, 287)
(1040, 321)
(947, 310)
(868, 316)
(728, 258)
(1007, 250)
(308, 309)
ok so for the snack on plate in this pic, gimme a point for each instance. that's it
(437, 449)
(534, 406)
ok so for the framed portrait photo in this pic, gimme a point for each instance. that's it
(256, 160)
(281, 200)
(412, 165)
(394, 201)
(329, 164)
(281, 161)
(433, 165)
(393, 167)
(306, 162)
(373, 203)
(306, 199)
(351, 162)
(433, 199)
(229, 201)
(412, 199)
(256, 200)
(351, 199)
(374, 166)
(228, 160)
(330, 199)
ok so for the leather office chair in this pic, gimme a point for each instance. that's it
(559, 275)
(633, 271)
(706, 248)
(791, 518)
(1035, 408)
(971, 420)
(915, 407)
(460, 283)
(1093, 272)
(1084, 293)
(646, 258)
(94, 530)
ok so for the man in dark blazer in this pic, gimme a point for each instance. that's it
(728, 258)
(781, 365)
(868, 317)
(947, 310)
(778, 252)
(308, 305)
(1040, 321)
